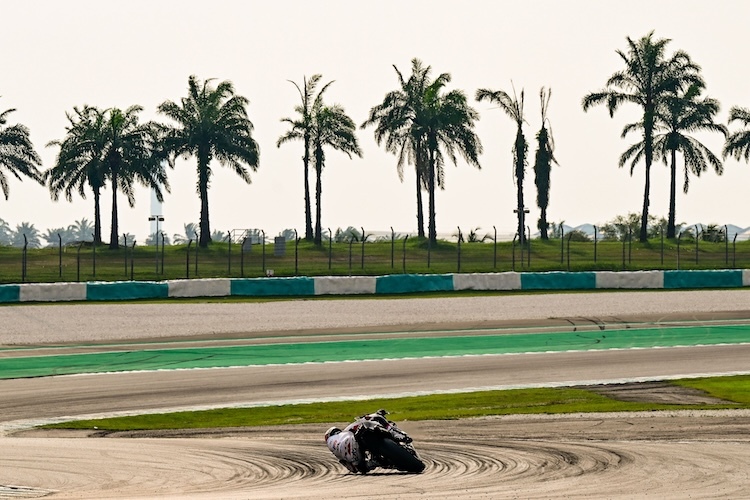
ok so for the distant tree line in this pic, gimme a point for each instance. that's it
(422, 122)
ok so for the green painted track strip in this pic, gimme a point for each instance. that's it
(359, 350)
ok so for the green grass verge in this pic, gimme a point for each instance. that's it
(735, 390)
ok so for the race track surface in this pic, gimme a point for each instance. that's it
(658, 455)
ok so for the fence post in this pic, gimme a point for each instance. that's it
(596, 235)
(162, 253)
(59, 264)
(661, 230)
(263, 251)
(528, 250)
(125, 244)
(242, 257)
(296, 253)
(364, 238)
(630, 246)
(734, 251)
(569, 236)
(78, 262)
(187, 258)
(562, 243)
(93, 245)
(330, 247)
(696, 244)
(23, 260)
(459, 250)
(494, 249)
(679, 240)
(197, 246)
(229, 254)
(404, 253)
(429, 250)
(513, 246)
(726, 245)
(132, 251)
(393, 245)
(351, 240)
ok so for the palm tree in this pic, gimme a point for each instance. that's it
(53, 236)
(103, 145)
(513, 107)
(448, 128)
(80, 230)
(211, 123)
(397, 121)
(5, 233)
(738, 143)
(130, 155)
(333, 128)
(543, 163)
(17, 154)
(681, 113)
(648, 79)
(190, 230)
(301, 128)
(78, 163)
(32, 236)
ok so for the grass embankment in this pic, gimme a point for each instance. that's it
(735, 390)
(377, 258)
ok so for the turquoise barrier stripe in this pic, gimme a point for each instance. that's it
(10, 293)
(558, 281)
(729, 278)
(127, 291)
(407, 283)
(273, 286)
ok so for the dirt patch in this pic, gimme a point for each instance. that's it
(656, 392)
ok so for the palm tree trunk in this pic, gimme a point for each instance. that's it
(420, 209)
(432, 224)
(205, 228)
(520, 164)
(114, 241)
(97, 218)
(543, 223)
(318, 193)
(671, 230)
(648, 137)
(308, 209)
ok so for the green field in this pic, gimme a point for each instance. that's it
(376, 258)
(735, 390)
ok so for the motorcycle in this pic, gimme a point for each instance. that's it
(385, 444)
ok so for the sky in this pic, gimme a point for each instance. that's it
(57, 55)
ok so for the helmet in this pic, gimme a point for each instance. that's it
(331, 432)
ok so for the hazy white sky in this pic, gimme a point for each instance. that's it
(57, 55)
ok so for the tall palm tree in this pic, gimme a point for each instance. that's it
(737, 144)
(513, 107)
(682, 113)
(107, 145)
(543, 163)
(333, 128)
(301, 128)
(131, 155)
(448, 127)
(212, 123)
(17, 154)
(648, 79)
(78, 163)
(398, 121)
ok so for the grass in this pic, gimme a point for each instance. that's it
(88, 263)
(735, 390)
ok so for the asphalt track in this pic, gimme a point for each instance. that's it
(577, 456)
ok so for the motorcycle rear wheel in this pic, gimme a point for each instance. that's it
(397, 456)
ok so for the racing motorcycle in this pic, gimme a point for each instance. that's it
(385, 444)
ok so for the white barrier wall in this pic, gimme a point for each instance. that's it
(218, 287)
(51, 292)
(491, 281)
(635, 279)
(343, 285)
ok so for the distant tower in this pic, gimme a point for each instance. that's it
(156, 209)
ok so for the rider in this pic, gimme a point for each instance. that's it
(347, 445)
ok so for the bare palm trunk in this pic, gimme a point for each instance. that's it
(543, 223)
(205, 228)
(114, 242)
(649, 155)
(520, 164)
(97, 218)
(433, 224)
(318, 193)
(671, 230)
(420, 209)
(308, 209)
